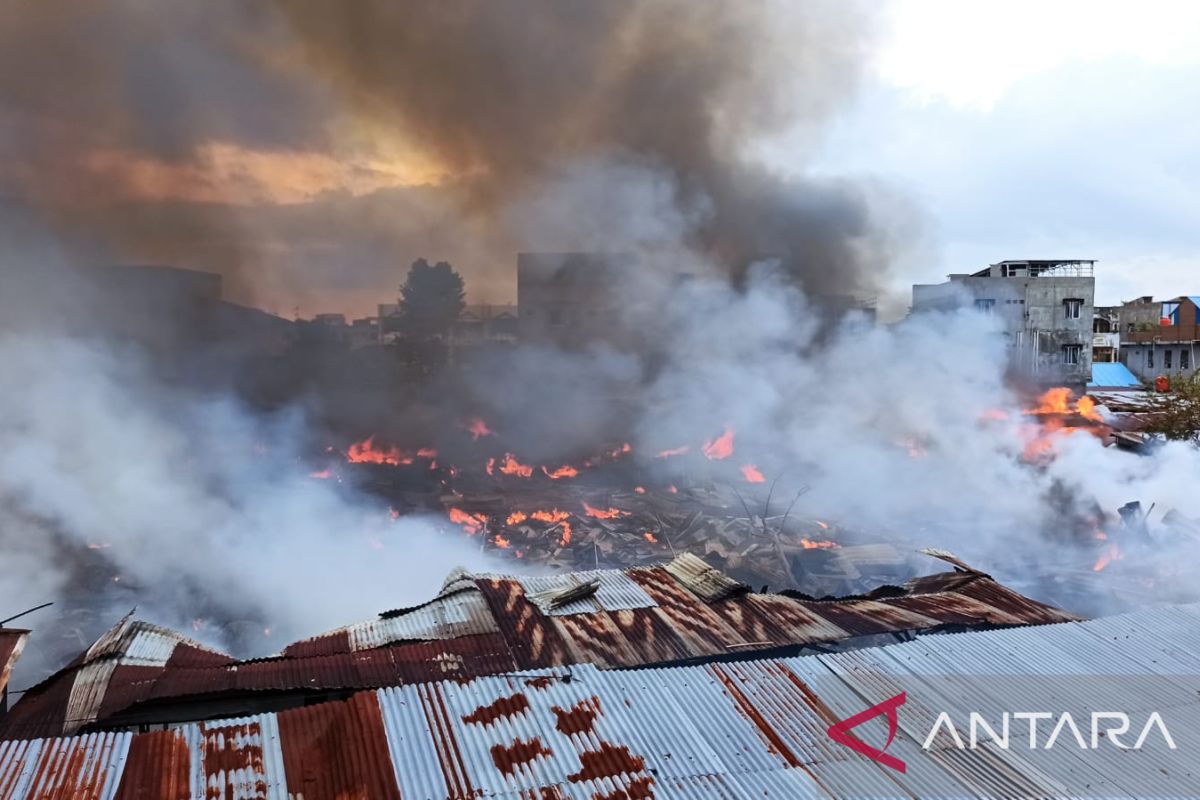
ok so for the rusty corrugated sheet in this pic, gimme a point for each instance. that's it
(705, 581)
(464, 613)
(531, 636)
(81, 768)
(159, 768)
(336, 751)
(669, 623)
(12, 642)
(1025, 609)
(695, 623)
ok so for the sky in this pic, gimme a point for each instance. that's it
(1035, 130)
(309, 152)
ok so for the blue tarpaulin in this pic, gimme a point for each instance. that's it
(1113, 376)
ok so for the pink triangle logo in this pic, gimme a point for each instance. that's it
(838, 732)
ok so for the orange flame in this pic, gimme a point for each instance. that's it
(624, 449)
(993, 415)
(550, 517)
(1086, 407)
(751, 474)
(565, 471)
(501, 542)
(478, 429)
(675, 451)
(427, 452)
(491, 466)
(513, 467)
(323, 475)
(639, 490)
(721, 447)
(672, 489)
(366, 452)
(598, 513)
(471, 523)
(566, 535)
(1053, 401)
(822, 525)
(516, 518)
(649, 537)
(1111, 553)
(809, 544)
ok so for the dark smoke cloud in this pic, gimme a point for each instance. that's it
(130, 132)
(505, 95)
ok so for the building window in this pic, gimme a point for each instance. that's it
(1150, 358)
(1167, 359)
(1073, 308)
(1185, 359)
(985, 305)
(1071, 354)
(1129, 328)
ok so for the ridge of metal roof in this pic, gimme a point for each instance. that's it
(638, 617)
(746, 729)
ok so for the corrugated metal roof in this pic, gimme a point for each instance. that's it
(86, 767)
(12, 642)
(616, 591)
(1114, 375)
(739, 730)
(705, 581)
(637, 617)
(464, 613)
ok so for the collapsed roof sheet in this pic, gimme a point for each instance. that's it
(742, 730)
(12, 642)
(490, 624)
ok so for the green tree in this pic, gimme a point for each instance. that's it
(1177, 413)
(431, 298)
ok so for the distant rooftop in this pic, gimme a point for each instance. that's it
(1034, 267)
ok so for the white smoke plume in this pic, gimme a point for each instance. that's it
(203, 513)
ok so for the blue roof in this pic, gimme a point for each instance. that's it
(1114, 375)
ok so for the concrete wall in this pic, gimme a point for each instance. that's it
(1137, 358)
(1031, 313)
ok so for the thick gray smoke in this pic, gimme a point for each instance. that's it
(307, 151)
(119, 490)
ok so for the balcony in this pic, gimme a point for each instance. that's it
(1163, 335)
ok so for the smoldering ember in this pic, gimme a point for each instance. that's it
(611, 400)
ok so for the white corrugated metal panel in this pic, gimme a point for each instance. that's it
(149, 648)
(237, 758)
(87, 693)
(616, 592)
(462, 614)
(83, 766)
(18, 760)
(412, 739)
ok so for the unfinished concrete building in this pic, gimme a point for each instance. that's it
(1045, 308)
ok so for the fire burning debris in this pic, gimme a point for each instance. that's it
(478, 429)
(720, 448)
(1058, 415)
(510, 466)
(752, 474)
(611, 513)
(471, 523)
(565, 471)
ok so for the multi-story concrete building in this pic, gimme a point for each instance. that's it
(1160, 338)
(1106, 335)
(1045, 308)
